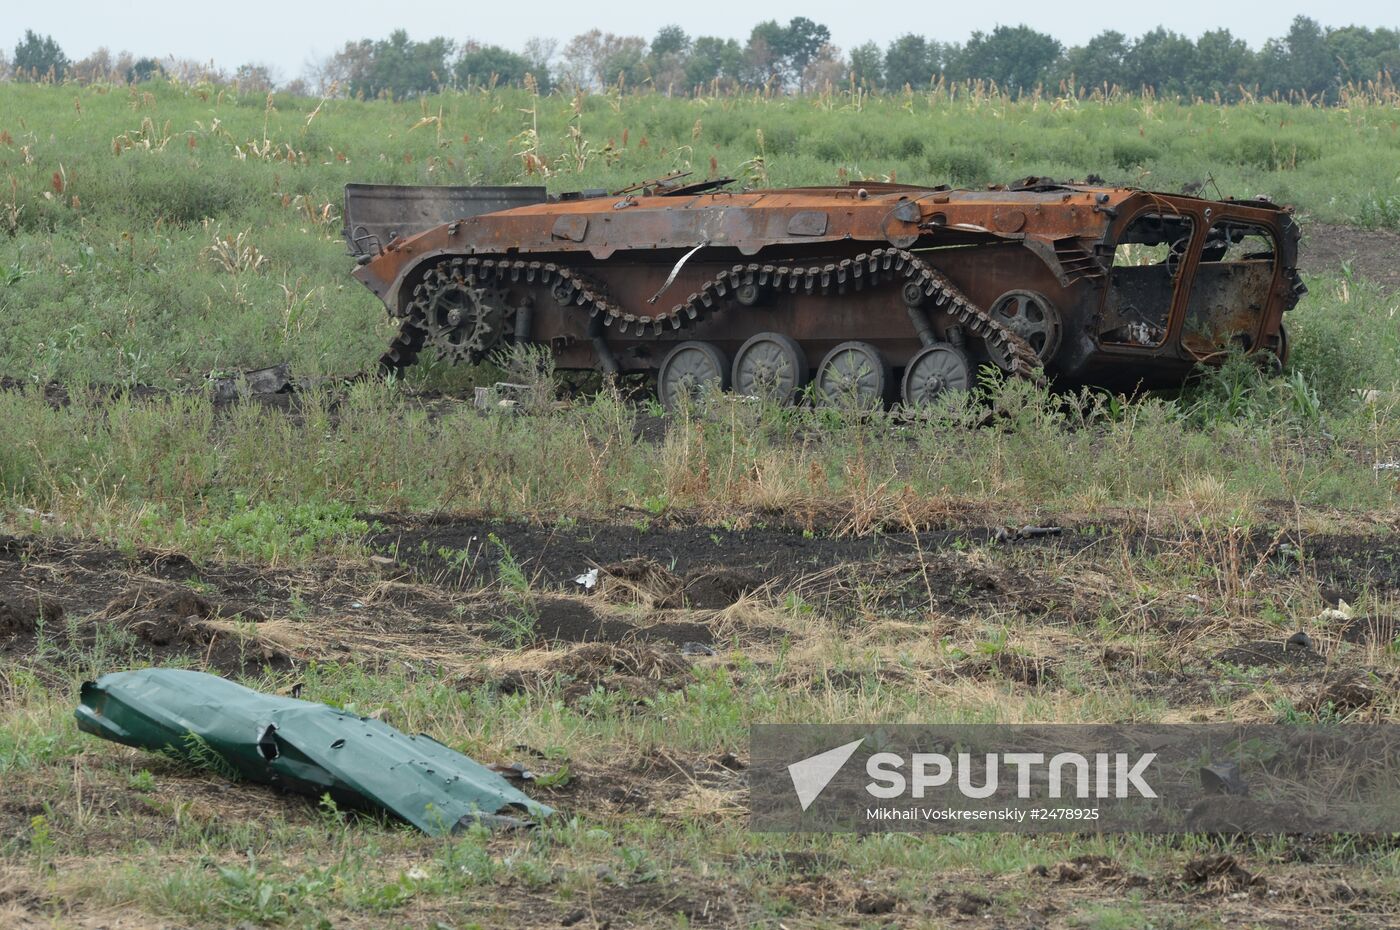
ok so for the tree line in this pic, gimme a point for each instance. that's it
(1310, 61)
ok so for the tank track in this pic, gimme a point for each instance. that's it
(872, 269)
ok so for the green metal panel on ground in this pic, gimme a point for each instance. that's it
(303, 747)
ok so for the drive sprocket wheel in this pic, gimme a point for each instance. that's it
(1031, 316)
(463, 318)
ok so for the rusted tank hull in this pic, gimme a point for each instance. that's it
(1089, 285)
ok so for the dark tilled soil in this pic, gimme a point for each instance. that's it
(675, 563)
(60, 593)
(1348, 565)
(716, 564)
(1269, 654)
(669, 585)
(1373, 254)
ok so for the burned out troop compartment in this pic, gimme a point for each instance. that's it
(864, 293)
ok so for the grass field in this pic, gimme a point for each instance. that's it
(389, 547)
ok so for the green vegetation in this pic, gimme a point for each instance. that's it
(153, 236)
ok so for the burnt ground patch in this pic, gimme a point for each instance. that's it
(688, 588)
(147, 606)
(468, 551)
(716, 563)
(1348, 565)
(1374, 254)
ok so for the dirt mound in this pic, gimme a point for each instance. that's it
(638, 670)
(1367, 630)
(173, 620)
(1343, 696)
(566, 620)
(645, 582)
(642, 581)
(1013, 666)
(1089, 868)
(161, 615)
(1348, 565)
(1268, 654)
(1221, 874)
(964, 902)
(553, 555)
(638, 660)
(719, 588)
(19, 614)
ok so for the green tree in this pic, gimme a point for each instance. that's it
(1100, 62)
(627, 62)
(1162, 60)
(484, 65)
(254, 78)
(670, 40)
(1309, 64)
(1360, 54)
(397, 66)
(712, 57)
(144, 69)
(783, 52)
(667, 58)
(909, 60)
(801, 40)
(39, 58)
(868, 65)
(1221, 65)
(763, 57)
(1016, 57)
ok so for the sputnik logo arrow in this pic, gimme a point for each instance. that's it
(811, 776)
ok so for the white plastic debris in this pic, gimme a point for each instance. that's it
(588, 579)
(1343, 611)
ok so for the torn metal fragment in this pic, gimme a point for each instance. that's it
(300, 746)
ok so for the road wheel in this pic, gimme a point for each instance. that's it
(937, 370)
(689, 370)
(854, 375)
(770, 366)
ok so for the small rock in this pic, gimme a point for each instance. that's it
(696, 649)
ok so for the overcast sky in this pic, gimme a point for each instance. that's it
(287, 34)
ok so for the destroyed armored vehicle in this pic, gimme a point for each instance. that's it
(870, 292)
